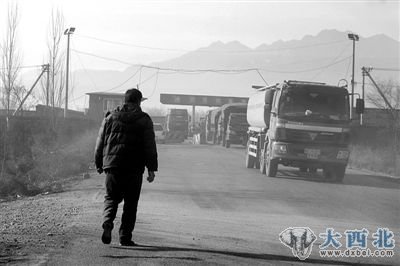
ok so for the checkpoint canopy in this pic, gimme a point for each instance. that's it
(199, 100)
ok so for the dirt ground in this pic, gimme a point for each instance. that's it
(34, 226)
(204, 208)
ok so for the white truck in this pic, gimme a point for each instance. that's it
(300, 124)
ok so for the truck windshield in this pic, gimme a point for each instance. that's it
(179, 117)
(313, 102)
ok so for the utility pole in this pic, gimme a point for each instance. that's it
(47, 83)
(354, 38)
(193, 118)
(67, 32)
(44, 69)
(363, 92)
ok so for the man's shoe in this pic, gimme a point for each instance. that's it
(128, 243)
(106, 237)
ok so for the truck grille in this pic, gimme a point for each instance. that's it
(313, 136)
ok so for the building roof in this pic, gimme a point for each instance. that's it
(120, 94)
(112, 94)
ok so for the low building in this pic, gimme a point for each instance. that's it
(101, 102)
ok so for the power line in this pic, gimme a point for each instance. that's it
(13, 68)
(123, 83)
(87, 73)
(149, 78)
(348, 68)
(115, 87)
(202, 50)
(165, 70)
(386, 69)
(155, 86)
(339, 55)
(131, 45)
(181, 70)
(104, 58)
(310, 69)
(220, 71)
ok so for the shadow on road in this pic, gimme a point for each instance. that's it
(372, 181)
(245, 255)
(350, 179)
(151, 257)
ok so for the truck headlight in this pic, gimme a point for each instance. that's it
(341, 155)
(280, 148)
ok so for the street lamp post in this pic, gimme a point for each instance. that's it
(67, 32)
(354, 38)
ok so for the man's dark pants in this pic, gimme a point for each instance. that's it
(122, 185)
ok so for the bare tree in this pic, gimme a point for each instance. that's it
(55, 57)
(10, 60)
(387, 98)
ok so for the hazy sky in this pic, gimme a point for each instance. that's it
(188, 25)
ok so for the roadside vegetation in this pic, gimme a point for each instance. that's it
(380, 151)
(379, 159)
(46, 164)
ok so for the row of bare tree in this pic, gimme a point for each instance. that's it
(11, 89)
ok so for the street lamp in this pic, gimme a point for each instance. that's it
(354, 38)
(67, 32)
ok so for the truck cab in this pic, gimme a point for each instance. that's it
(236, 129)
(299, 124)
(176, 125)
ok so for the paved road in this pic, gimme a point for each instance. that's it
(205, 207)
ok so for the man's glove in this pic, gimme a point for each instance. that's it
(151, 176)
(99, 170)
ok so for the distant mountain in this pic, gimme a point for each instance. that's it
(324, 57)
(291, 56)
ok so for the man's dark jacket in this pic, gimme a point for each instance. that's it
(126, 141)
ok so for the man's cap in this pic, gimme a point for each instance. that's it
(133, 96)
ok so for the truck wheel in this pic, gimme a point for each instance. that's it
(327, 172)
(250, 160)
(339, 173)
(271, 167)
(334, 173)
(262, 163)
(227, 144)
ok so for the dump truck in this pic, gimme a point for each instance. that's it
(176, 125)
(208, 126)
(212, 117)
(299, 124)
(223, 119)
(236, 130)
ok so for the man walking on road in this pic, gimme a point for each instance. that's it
(124, 147)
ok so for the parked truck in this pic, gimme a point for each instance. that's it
(176, 125)
(299, 124)
(212, 117)
(236, 130)
(208, 126)
(226, 110)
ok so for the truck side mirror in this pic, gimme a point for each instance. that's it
(267, 112)
(360, 106)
